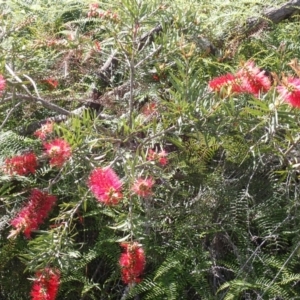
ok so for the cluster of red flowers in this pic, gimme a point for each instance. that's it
(94, 12)
(160, 157)
(59, 152)
(46, 284)
(143, 187)
(290, 90)
(132, 262)
(50, 83)
(21, 164)
(2, 83)
(249, 79)
(106, 185)
(149, 109)
(33, 213)
(45, 129)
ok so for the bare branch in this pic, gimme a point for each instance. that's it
(272, 15)
(45, 103)
(148, 36)
(106, 70)
(29, 96)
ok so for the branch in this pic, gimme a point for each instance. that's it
(148, 37)
(276, 15)
(272, 15)
(106, 70)
(29, 96)
(45, 103)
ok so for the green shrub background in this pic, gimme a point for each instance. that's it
(223, 220)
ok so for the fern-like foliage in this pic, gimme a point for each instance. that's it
(11, 144)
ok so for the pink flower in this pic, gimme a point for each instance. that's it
(249, 79)
(149, 109)
(2, 83)
(21, 165)
(228, 83)
(94, 6)
(51, 83)
(290, 91)
(44, 130)
(143, 187)
(253, 79)
(59, 151)
(46, 284)
(33, 213)
(161, 156)
(105, 185)
(93, 10)
(132, 262)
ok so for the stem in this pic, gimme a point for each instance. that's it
(132, 69)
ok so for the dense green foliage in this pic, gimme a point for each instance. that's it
(223, 220)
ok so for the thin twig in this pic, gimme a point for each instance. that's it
(33, 83)
(131, 64)
(148, 56)
(29, 96)
(281, 269)
(9, 113)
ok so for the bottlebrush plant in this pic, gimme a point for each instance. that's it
(148, 150)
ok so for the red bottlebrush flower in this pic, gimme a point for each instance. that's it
(33, 213)
(253, 79)
(158, 156)
(97, 46)
(94, 6)
(143, 187)
(249, 79)
(2, 83)
(290, 91)
(46, 284)
(21, 165)
(59, 151)
(51, 83)
(105, 185)
(155, 77)
(149, 109)
(132, 262)
(227, 82)
(44, 130)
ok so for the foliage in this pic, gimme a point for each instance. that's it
(127, 77)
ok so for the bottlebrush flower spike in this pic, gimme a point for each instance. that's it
(21, 165)
(2, 83)
(253, 79)
(105, 185)
(94, 6)
(249, 79)
(228, 83)
(290, 91)
(143, 187)
(33, 213)
(59, 152)
(51, 83)
(149, 109)
(46, 284)
(44, 130)
(132, 262)
(160, 157)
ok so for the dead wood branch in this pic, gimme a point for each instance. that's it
(46, 104)
(272, 15)
(108, 68)
(149, 36)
